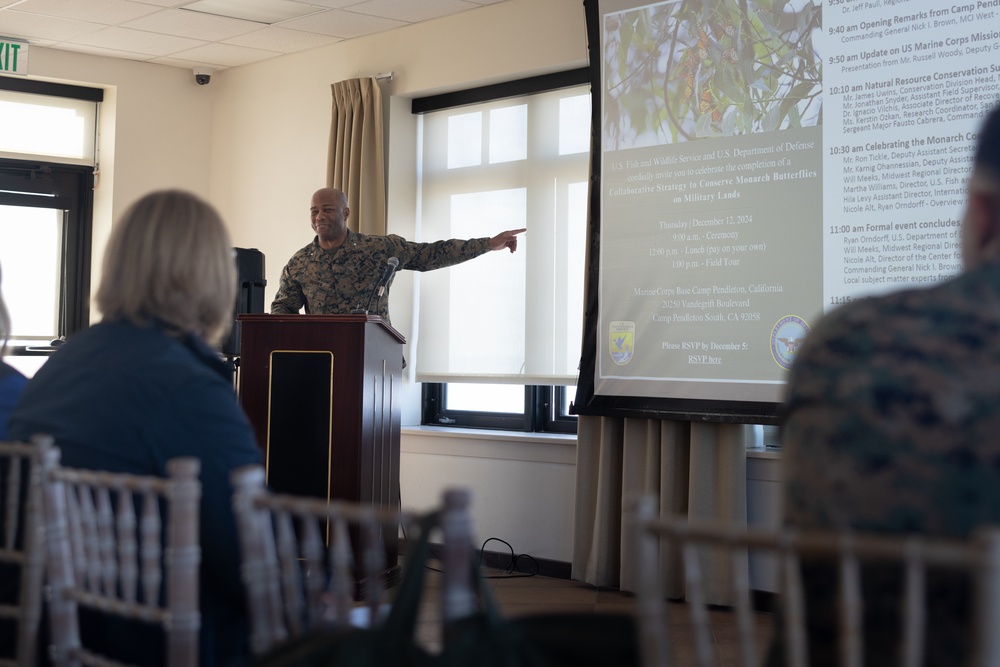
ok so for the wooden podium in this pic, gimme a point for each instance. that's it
(323, 394)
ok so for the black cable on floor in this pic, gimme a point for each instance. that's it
(508, 572)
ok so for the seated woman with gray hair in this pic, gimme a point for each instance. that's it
(145, 385)
(11, 380)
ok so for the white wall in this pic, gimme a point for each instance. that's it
(155, 130)
(523, 489)
(764, 513)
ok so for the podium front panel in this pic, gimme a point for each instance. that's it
(299, 448)
(322, 393)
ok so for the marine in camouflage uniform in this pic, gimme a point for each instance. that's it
(341, 279)
(893, 412)
(339, 270)
(892, 423)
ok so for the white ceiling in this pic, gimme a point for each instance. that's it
(158, 31)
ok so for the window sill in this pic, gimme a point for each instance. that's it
(763, 453)
(485, 444)
(441, 432)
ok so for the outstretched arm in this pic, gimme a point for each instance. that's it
(506, 239)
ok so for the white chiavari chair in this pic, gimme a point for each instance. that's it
(849, 552)
(122, 545)
(22, 549)
(310, 565)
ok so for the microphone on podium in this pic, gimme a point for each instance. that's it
(379, 289)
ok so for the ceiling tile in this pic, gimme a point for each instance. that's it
(412, 12)
(108, 12)
(137, 41)
(282, 40)
(192, 24)
(184, 64)
(267, 12)
(339, 23)
(157, 30)
(29, 26)
(331, 4)
(109, 53)
(225, 55)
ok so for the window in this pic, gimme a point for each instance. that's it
(499, 338)
(49, 121)
(45, 240)
(47, 159)
(536, 408)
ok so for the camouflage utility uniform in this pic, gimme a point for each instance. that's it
(892, 423)
(339, 280)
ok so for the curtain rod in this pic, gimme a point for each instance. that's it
(383, 76)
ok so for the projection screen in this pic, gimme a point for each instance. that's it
(756, 164)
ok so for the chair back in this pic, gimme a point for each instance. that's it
(126, 546)
(310, 564)
(848, 551)
(22, 550)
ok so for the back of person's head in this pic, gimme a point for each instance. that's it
(981, 221)
(987, 158)
(170, 259)
(4, 319)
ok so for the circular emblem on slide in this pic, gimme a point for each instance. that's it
(621, 341)
(786, 337)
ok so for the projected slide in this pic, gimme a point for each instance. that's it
(765, 161)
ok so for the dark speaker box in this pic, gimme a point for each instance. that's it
(249, 293)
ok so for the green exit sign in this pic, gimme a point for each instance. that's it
(13, 57)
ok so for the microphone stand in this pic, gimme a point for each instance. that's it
(380, 286)
(378, 290)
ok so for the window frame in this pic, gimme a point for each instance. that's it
(539, 415)
(540, 401)
(71, 188)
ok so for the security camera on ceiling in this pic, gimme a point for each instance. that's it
(202, 75)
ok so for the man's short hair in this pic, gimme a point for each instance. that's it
(170, 260)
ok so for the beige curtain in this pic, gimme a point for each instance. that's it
(697, 469)
(356, 162)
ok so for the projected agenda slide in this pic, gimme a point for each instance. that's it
(763, 162)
